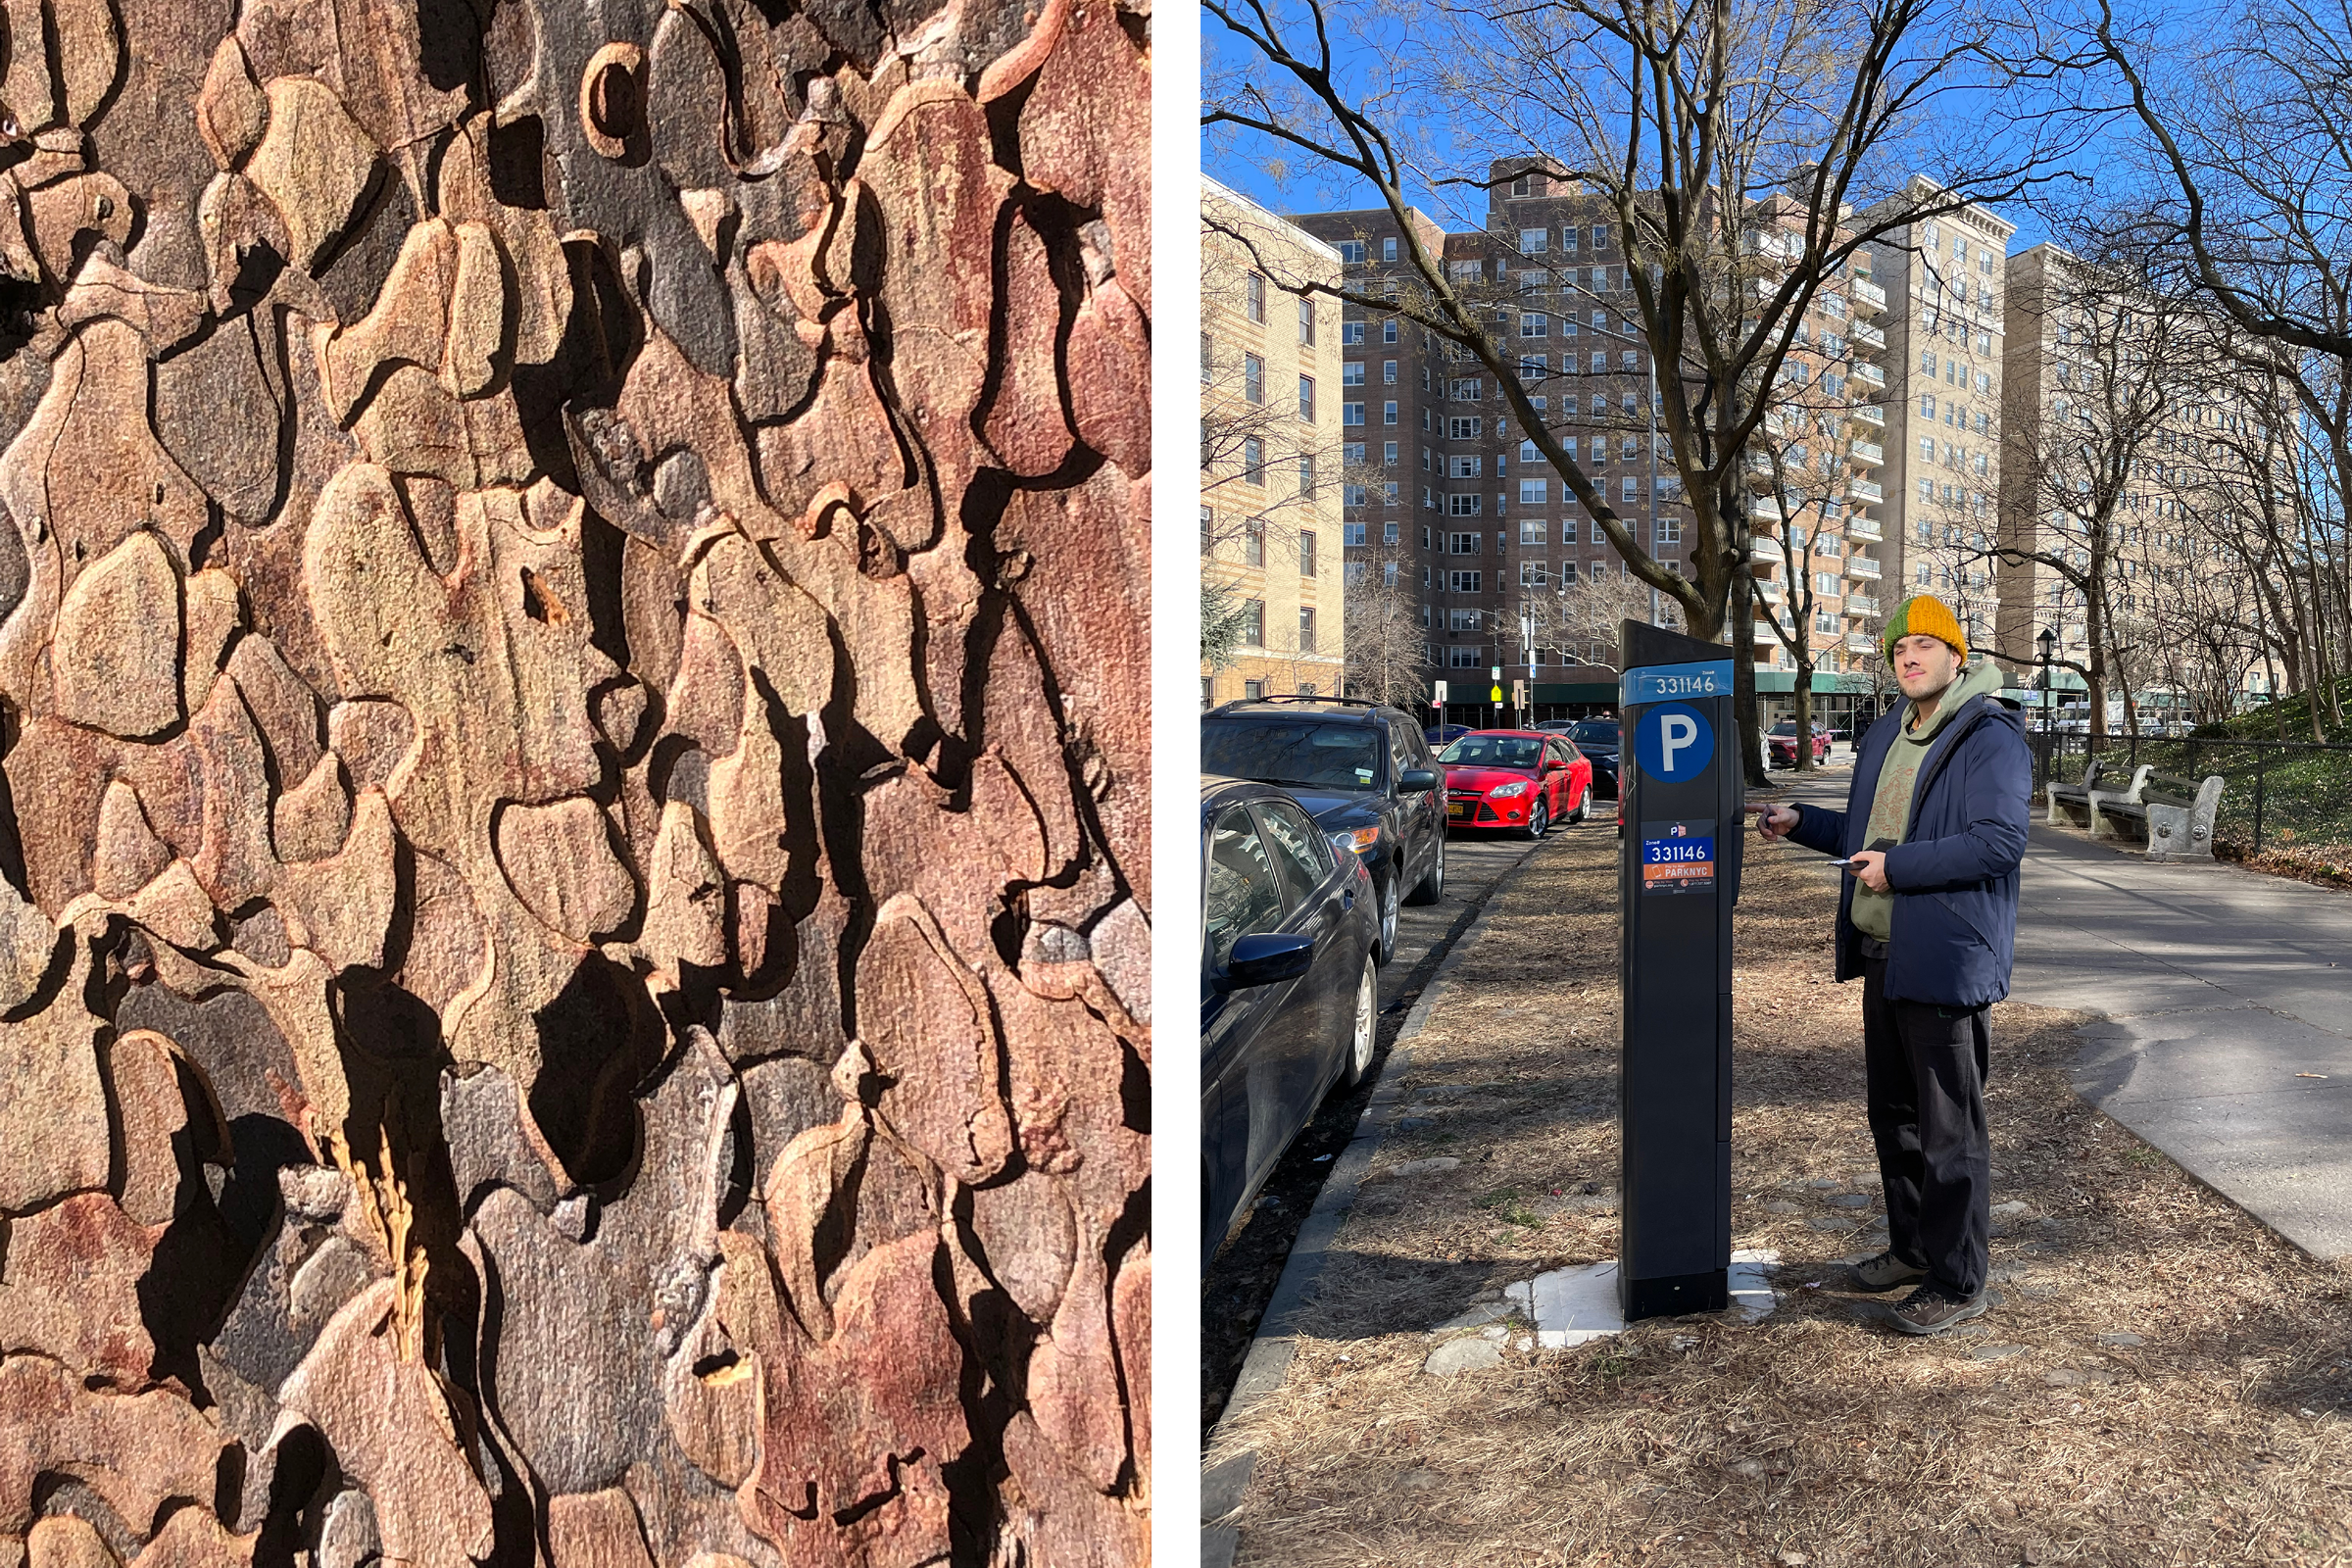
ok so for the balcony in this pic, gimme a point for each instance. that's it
(1869, 455)
(1770, 592)
(1868, 416)
(1862, 566)
(1858, 527)
(1861, 605)
(1864, 335)
(1866, 491)
(1764, 509)
(1870, 375)
(1861, 641)
(1765, 551)
(1866, 296)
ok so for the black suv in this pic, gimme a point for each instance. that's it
(1364, 774)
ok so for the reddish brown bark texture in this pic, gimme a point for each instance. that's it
(573, 887)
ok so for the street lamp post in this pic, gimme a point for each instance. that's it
(2047, 639)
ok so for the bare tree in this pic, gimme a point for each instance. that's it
(1388, 647)
(2128, 374)
(1682, 117)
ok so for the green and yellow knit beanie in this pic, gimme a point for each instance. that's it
(1922, 615)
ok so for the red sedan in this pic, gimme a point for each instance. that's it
(1516, 778)
(1782, 739)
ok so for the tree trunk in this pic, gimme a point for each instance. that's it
(1744, 679)
(609, 760)
(1803, 705)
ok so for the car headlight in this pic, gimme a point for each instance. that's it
(1359, 839)
(1508, 791)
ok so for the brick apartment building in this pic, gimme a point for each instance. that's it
(1484, 524)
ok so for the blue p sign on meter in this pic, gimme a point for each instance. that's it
(1674, 742)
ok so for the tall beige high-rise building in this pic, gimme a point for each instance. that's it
(1271, 400)
(1946, 283)
(2117, 413)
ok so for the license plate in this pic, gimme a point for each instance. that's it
(1457, 808)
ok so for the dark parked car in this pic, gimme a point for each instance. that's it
(1597, 740)
(1290, 994)
(1362, 770)
(1439, 734)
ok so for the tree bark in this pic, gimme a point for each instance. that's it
(573, 890)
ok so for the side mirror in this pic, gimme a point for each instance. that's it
(1555, 765)
(1418, 780)
(1267, 958)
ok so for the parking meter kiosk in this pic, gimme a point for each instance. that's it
(1678, 875)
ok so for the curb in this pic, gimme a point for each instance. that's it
(1273, 1346)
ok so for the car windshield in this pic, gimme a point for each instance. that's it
(1784, 729)
(1495, 750)
(1300, 753)
(1595, 732)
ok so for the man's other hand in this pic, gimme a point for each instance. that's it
(1870, 869)
(1775, 821)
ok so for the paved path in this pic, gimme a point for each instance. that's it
(2227, 1003)
(2228, 1000)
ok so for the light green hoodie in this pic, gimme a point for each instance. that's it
(1899, 775)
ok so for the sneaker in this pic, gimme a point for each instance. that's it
(1884, 1272)
(1930, 1309)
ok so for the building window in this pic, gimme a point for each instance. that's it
(1307, 398)
(1389, 532)
(1927, 405)
(1351, 533)
(1388, 411)
(1306, 322)
(1253, 542)
(1535, 492)
(1352, 494)
(1468, 465)
(1306, 553)
(1254, 691)
(1600, 236)
(1670, 530)
(1927, 361)
(1253, 459)
(1463, 506)
(1389, 494)
(1351, 250)
(1534, 241)
(1461, 543)
(1533, 323)
(1463, 427)
(1387, 248)
(1530, 530)
(1626, 490)
(1600, 364)
(1568, 573)
(1254, 293)
(1388, 372)
(1531, 574)
(1464, 657)
(1254, 623)
(1387, 454)
(1253, 379)
(1207, 356)
(1352, 413)
(1567, 533)
(1306, 629)
(1388, 574)
(1465, 582)
(1351, 372)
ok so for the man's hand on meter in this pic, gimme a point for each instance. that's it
(1775, 821)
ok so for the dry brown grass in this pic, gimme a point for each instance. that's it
(2226, 1438)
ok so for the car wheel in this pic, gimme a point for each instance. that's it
(1432, 886)
(1388, 897)
(1583, 807)
(1538, 820)
(1363, 1026)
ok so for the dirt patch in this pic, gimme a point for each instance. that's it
(2045, 1435)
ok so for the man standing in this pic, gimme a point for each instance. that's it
(1940, 796)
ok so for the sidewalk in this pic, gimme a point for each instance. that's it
(2227, 995)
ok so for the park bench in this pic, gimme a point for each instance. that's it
(2066, 799)
(2171, 815)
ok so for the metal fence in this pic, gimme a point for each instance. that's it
(2274, 792)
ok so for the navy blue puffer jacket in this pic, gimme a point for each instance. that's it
(1954, 875)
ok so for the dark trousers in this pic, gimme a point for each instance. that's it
(1925, 1067)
